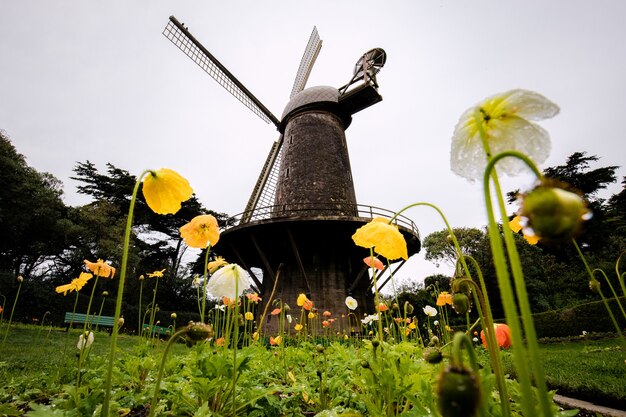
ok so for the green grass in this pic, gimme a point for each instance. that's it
(590, 370)
(39, 366)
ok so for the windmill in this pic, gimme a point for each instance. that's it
(303, 211)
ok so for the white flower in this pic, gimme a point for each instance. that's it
(430, 311)
(436, 322)
(351, 303)
(220, 307)
(289, 319)
(475, 339)
(368, 319)
(229, 281)
(505, 120)
(82, 343)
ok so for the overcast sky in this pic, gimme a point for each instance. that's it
(95, 80)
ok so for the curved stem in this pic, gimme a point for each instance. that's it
(204, 282)
(619, 303)
(120, 296)
(531, 350)
(606, 304)
(620, 277)
(157, 385)
(17, 295)
(492, 346)
(139, 321)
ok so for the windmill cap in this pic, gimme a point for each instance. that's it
(319, 94)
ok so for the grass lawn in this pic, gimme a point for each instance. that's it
(590, 370)
(36, 363)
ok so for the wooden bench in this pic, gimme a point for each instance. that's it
(94, 320)
(162, 331)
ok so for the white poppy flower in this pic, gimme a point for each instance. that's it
(351, 303)
(229, 281)
(85, 343)
(430, 311)
(506, 121)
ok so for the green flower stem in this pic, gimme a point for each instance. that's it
(235, 342)
(485, 315)
(43, 319)
(139, 321)
(154, 307)
(100, 314)
(120, 295)
(606, 304)
(3, 305)
(522, 354)
(619, 303)
(376, 298)
(620, 277)
(157, 384)
(82, 350)
(204, 282)
(17, 295)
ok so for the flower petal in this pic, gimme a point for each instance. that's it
(165, 190)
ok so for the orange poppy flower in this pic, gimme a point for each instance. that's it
(275, 312)
(374, 262)
(444, 298)
(503, 335)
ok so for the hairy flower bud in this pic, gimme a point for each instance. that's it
(432, 355)
(458, 392)
(199, 331)
(594, 285)
(461, 303)
(554, 213)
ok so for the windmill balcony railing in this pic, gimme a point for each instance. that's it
(347, 211)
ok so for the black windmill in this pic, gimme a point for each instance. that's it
(303, 210)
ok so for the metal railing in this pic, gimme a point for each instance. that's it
(331, 210)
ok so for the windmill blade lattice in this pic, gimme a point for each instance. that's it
(306, 63)
(184, 40)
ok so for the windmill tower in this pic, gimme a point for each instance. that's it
(303, 209)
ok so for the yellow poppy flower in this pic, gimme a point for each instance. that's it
(249, 316)
(200, 231)
(298, 327)
(156, 274)
(76, 285)
(276, 341)
(216, 264)
(516, 226)
(385, 238)
(165, 190)
(506, 121)
(301, 300)
(444, 298)
(100, 268)
(311, 315)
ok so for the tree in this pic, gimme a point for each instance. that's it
(31, 213)
(440, 248)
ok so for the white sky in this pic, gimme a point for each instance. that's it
(97, 80)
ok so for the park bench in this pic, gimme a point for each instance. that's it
(94, 320)
(161, 331)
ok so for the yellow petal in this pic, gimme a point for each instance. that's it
(64, 288)
(165, 190)
(200, 231)
(515, 225)
(385, 238)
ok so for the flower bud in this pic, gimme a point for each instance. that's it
(20, 279)
(199, 331)
(432, 355)
(319, 348)
(105, 293)
(365, 364)
(594, 285)
(461, 303)
(434, 341)
(173, 316)
(458, 392)
(554, 213)
(408, 308)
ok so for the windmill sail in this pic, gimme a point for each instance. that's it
(184, 40)
(264, 190)
(306, 63)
